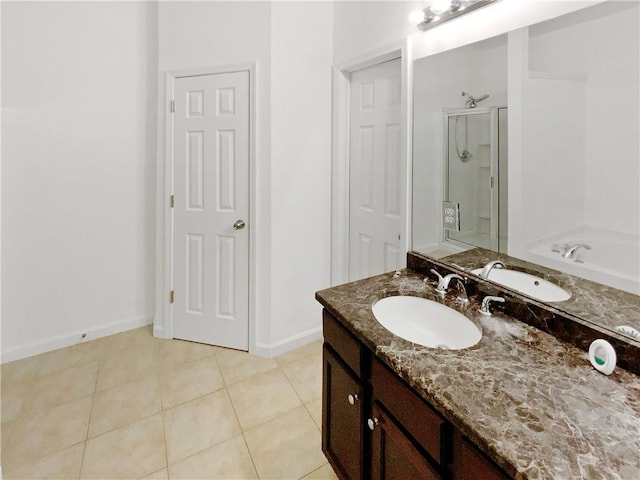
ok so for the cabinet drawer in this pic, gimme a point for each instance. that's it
(426, 426)
(342, 342)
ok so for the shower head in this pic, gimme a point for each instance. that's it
(473, 101)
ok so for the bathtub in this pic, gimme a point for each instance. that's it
(614, 258)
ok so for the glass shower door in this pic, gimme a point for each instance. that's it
(472, 179)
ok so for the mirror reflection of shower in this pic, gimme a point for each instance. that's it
(465, 155)
(478, 187)
(472, 102)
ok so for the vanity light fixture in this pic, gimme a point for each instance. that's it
(440, 11)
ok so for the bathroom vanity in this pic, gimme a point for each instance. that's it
(520, 404)
(408, 438)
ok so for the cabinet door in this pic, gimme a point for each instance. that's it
(470, 464)
(393, 455)
(342, 420)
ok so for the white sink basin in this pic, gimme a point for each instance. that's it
(530, 285)
(426, 322)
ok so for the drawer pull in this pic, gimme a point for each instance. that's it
(353, 398)
(373, 423)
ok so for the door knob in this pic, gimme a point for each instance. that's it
(239, 225)
(352, 398)
(373, 423)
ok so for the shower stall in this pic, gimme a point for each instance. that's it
(475, 183)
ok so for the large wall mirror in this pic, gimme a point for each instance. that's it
(559, 170)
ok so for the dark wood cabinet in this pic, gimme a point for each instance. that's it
(376, 426)
(342, 417)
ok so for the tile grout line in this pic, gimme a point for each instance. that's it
(164, 410)
(279, 367)
(93, 401)
(164, 440)
(244, 439)
(253, 462)
(305, 408)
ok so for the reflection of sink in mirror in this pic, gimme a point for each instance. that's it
(530, 285)
(426, 322)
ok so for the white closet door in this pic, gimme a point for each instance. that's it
(211, 187)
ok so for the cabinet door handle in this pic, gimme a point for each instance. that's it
(353, 398)
(373, 423)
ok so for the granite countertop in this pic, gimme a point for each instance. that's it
(530, 401)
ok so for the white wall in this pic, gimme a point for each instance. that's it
(613, 123)
(81, 87)
(553, 161)
(301, 58)
(363, 26)
(581, 123)
(78, 150)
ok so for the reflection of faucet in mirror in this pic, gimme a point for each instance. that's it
(472, 102)
(569, 251)
(490, 266)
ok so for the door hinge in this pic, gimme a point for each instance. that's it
(173, 106)
(172, 201)
(172, 296)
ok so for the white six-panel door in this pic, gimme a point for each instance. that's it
(376, 177)
(211, 189)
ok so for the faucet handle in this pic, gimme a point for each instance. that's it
(435, 272)
(462, 290)
(441, 288)
(486, 302)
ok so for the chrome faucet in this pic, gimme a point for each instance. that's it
(569, 251)
(443, 282)
(462, 290)
(486, 302)
(486, 270)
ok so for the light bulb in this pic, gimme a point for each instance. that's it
(416, 16)
(440, 6)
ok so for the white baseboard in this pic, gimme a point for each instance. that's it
(287, 344)
(158, 331)
(66, 340)
(158, 328)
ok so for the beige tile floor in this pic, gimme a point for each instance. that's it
(131, 406)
